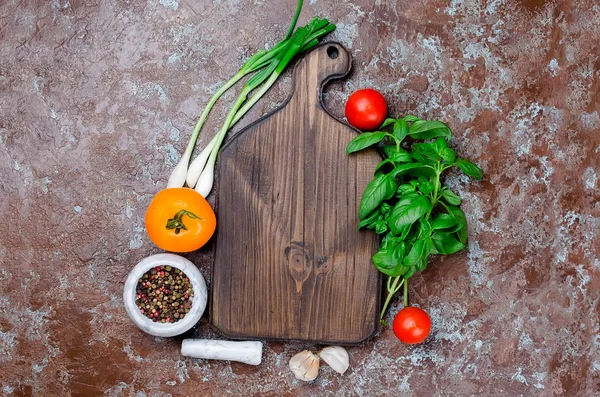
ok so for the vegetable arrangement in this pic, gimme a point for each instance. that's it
(169, 214)
(406, 201)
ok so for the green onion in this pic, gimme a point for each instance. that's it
(302, 39)
(254, 63)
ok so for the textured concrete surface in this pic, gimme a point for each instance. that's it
(98, 98)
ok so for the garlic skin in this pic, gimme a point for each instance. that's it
(305, 366)
(337, 358)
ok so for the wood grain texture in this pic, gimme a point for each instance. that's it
(289, 262)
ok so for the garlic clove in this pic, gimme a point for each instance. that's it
(305, 366)
(336, 357)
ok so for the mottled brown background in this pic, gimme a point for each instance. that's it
(98, 98)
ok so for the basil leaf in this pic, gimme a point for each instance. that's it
(381, 227)
(443, 221)
(421, 158)
(425, 228)
(448, 154)
(422, 264)
(421, 129)
(388, 121)
(384, 262)
(381, 188)
(469, 168)
(425, 186)
(442, 149)
(446, 243)
(364, 140)
(409, 213)
(405, 200)
(387, 240)
(389, 261)
(404, 233)
(382, 164)
(405, 189)
(409, 273)
(388, 150)
(415, 254)
(401, 157)
(427, 248)
(451, 197)
(385, 208)
(400, 129)
(410, 118)
(398, 253)
(461, 219)
(427, 150)
(370, 221)
(402, 169)
(440, 144)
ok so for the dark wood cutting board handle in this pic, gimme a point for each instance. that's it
(289, 262)
(329, 61)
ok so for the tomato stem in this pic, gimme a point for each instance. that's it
(177, 223)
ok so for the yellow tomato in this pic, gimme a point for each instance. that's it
(180, 220)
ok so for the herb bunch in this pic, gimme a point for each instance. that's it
(406, 201)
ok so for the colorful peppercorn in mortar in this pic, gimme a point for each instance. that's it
(164, 294)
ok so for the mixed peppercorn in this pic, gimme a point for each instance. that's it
(164, 294)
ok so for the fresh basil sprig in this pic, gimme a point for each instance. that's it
(406, 201)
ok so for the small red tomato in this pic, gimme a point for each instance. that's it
(366, 109)
(412, 325)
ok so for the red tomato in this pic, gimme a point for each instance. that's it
(412, 325)
(366, 109)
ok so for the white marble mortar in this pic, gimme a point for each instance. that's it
(198, 300)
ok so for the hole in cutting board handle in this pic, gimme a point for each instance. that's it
(332, 52)
(327, 62)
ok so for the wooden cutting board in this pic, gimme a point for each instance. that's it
(289, 262)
